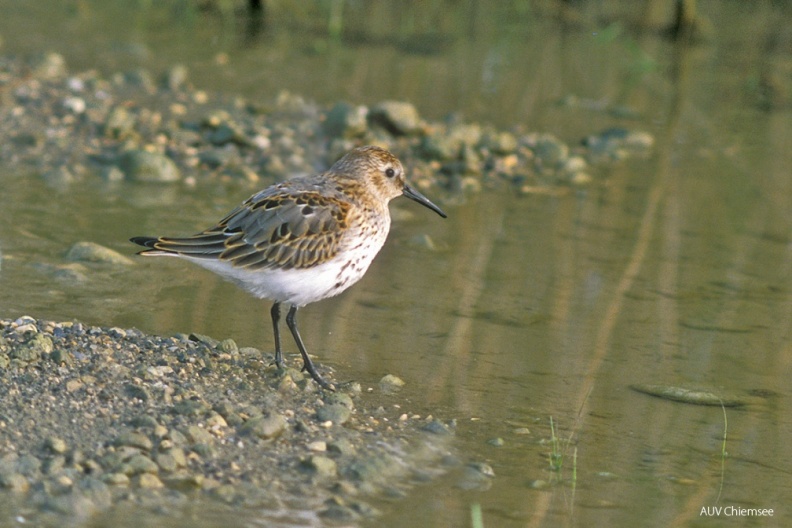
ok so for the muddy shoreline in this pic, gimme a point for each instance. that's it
(94, 418)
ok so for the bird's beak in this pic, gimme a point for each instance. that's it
(412, 194)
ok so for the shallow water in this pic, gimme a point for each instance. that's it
(673, 269)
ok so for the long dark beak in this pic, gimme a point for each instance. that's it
(412, 194)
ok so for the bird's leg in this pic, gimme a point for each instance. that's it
(307, 363)
(275, 313)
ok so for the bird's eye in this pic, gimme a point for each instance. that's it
(389, 172)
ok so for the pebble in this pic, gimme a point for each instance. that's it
(14, 482)
(336, 413)
(93, 252)
(397, 117)
(148, 481)
(134, 439)
(321, 466)
(143, 166)
(55, 444)
(390, 383)
(346, 121)
(265, 427)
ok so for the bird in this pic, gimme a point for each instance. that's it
(301, 240)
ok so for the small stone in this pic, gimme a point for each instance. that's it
(75, 105)
(335, 413)
(225, 492)
(56, 445)
(116, 479)
(134, 439)
(144, 166)
(321, 466)
(198, 435)
(319, 446)
(140, 464)
(550, 150)
(266, 427)
(175, 78)
(33, 349)
(437, 427)
(120, 123)
(93, 252)
(501, 142)
(185, 482)
(62, 357)
(14, 482)
(191, 408)
(54, 464)
(166, 462)
(228, 346)
(206, 451)
(342, 446)
(215, 421)
(340, 398)
(496, 442)
(400, 118)
(49, 66)
(477, 476)
(148, 481)
(390, 383)
(346, 121)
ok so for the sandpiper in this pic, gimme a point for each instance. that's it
(304, 239)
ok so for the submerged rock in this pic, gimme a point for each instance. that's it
(144, 166)
(93, 252)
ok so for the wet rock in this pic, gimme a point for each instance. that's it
(116, 479)
(346, 121)
(139, 78)
(476, 476)
(198, 435)
(618, 143)
(69, 273)
(390, 383)
(14, 482)
(400, 118)
(185, 482)
(437, 427)
(120, 123)
(147, 481)
(228, 346)
(134, 439)
(32, 350)
(49, 66)
(439, 146)
(549, 150)
(144, 166)
(59, 177)
(321, 466)
(55, 444)
(265, 427)
(139, 464)
(62, 357)
(167, 462)
(175, 77)
(93, 252)
(500, 142)
(334, 412)
(341, 446)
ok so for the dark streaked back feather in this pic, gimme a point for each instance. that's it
(282, 227)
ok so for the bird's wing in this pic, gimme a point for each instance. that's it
(271, 230)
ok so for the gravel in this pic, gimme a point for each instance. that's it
(95, 418)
